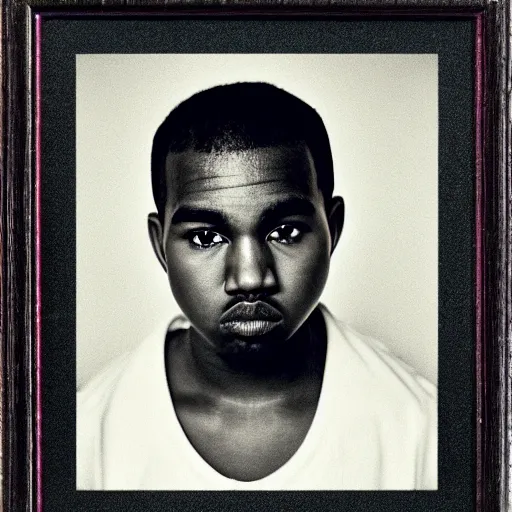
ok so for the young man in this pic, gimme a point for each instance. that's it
(259, 387)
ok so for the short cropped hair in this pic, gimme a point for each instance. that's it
(240, 116)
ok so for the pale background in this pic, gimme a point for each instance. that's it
(381, 114)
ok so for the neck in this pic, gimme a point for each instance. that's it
(268, 374)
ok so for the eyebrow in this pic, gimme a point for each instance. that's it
(287, 207)
(284, 208)
(188, 214)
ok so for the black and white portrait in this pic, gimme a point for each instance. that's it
(257, 272)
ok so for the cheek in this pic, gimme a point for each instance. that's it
(304, 269)
(194, 276)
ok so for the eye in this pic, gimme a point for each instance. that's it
(285, 234)
(205, 239)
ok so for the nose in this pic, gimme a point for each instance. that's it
(249, 268)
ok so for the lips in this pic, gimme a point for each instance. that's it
(250, 319)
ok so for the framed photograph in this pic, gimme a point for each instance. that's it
(256, 256)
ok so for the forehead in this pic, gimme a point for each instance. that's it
(239, 176)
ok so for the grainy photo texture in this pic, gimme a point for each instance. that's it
(257, 266)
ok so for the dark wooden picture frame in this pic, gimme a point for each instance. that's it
(20, 383)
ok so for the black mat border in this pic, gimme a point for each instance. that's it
(453, 41)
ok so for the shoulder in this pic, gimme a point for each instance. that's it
(91, 403)
(95, 394)
(386, 395)
(381, 376)
(96, 400)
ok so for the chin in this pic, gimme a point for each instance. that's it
(243, 347)
(257, 347)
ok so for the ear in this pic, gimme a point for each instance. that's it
(335, 218)
(156, 237)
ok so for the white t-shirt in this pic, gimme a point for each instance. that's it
(375, 427)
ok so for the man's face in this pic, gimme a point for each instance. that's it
(246, 243)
